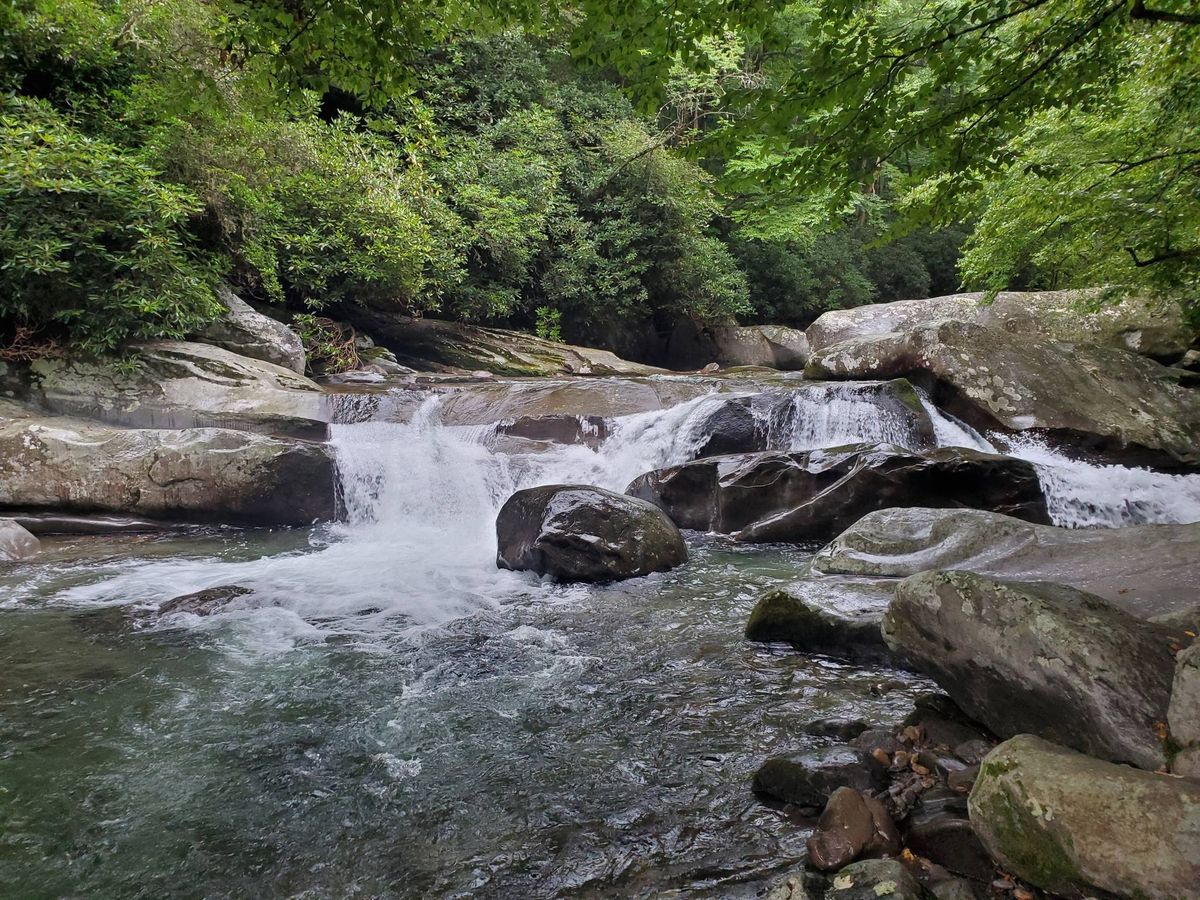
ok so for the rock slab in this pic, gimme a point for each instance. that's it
(243, 330)
(16, 542)
(583, 533)
(1078, 826)
(1039, 658)
(810, 496)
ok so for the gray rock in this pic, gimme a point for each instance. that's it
(832, 617)
(876, 879)
(1078, 827)
(246, 332)
(206, 602)
(803, 497)
(1039, 658)
(808, 779)
(1101, 398)
(1155, 329)
(841, 728)
(1147, 570)
(583, 533)
(799, 885)
(176, 384)
(1183, 713)
(16, 542)
(196, 474)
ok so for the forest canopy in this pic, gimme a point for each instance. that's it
(585, 169)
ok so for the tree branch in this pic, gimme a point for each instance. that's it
(1139, 11)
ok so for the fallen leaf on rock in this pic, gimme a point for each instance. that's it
(882, 756)
(842, 882)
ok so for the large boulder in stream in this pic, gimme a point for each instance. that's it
(810, 496)
(178, 384)
(1080, 827)
(243, 330)
(1147, 570)
(1098, 398)
(1039, 658)
(1152, 328)
(583, 533)
(194, 474)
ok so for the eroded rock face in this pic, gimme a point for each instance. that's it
(1077, 826)
(809, 496)
(434, 345)
(1147, 570)
(583, 533)
(177, 384)
(195, 474)
(1153, 329)
(16, 542)
(247, 332)
(1039, 658)
(1100, 398)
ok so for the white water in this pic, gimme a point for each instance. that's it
(418, 545)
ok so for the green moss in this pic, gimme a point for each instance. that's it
(1034, 852)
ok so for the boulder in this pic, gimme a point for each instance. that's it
(876, 879)
(809, 496)
(808, 779)
(1155, 329)
(852, 824)
(246, 332)
(1079, 827)
(195, 474)
(434, 345)
(176, 384)
(582, 533)
(16, 542)
(829, 616)
(1147, 570)
(206, 602)
(1183, 713)
(1099, 398)
(1040, 658)
(693, 346)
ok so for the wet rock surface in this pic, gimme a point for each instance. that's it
(852, 825)
(16, 542)
(811, 496)
(1094, 397)
(808, 779)
(1079, 827)
(178, 384)
(1147, 570)
(1039, 658)
(832, 617)
(206, 602)
(872, 879)
(582, 533)
(196, 474)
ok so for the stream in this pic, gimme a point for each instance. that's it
(390, 715)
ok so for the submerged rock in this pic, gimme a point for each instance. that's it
(1078, 826)
(1147, 570)
(206, 602)
(177, 384)
(1096, 397)
(195, 474)
(833, 617)
(808, 779)
(803, 497)
(583, 533)
(1039, 658)
(1155, 329)
(244, 331)
(16, 542)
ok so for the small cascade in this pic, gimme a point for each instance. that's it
(834, 414)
